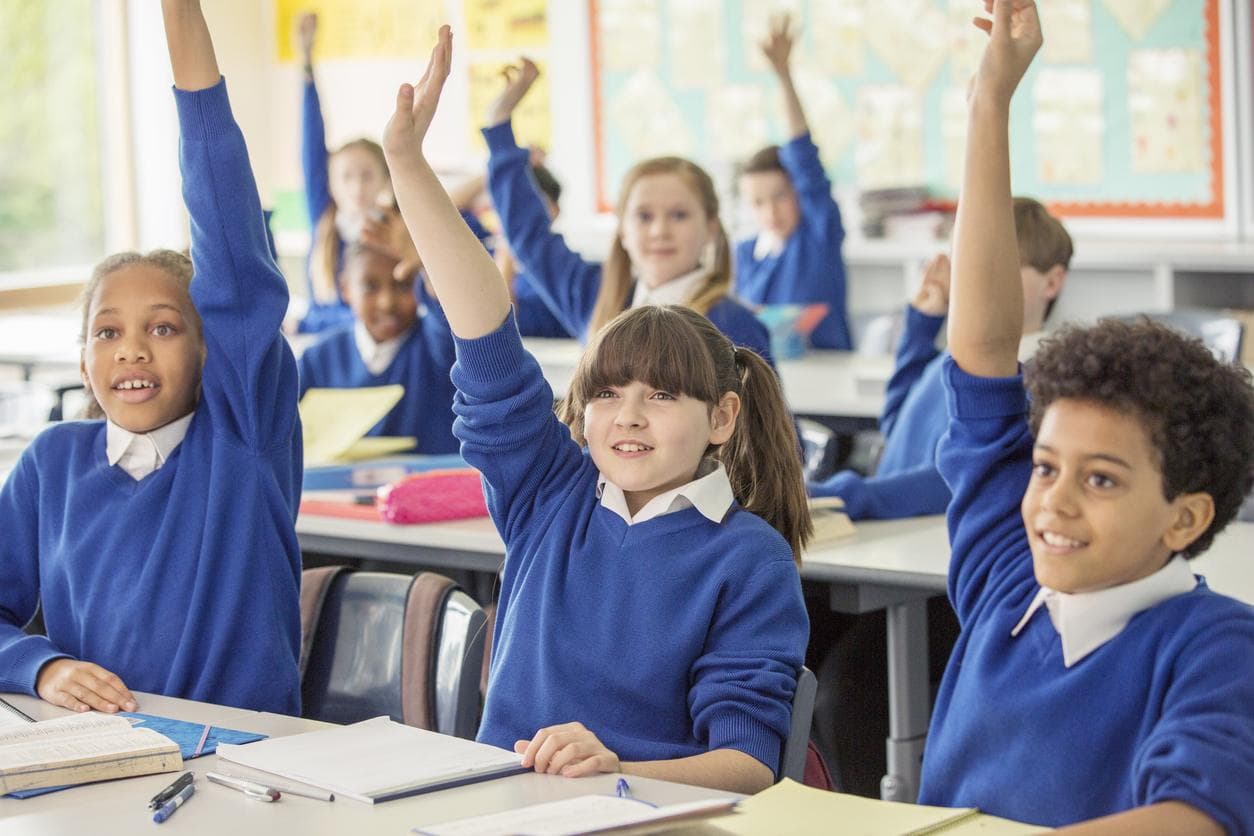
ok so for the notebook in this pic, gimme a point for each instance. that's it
(376, 760)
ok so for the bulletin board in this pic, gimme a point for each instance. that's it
(1121, 114)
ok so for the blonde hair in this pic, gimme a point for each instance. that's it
(616, 274)
(325, 261)
(174, 264)
(677, 349)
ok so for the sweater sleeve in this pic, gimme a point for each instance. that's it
(907, 493)
(744, 680)
(819, 212)
(249, 381)
(21, 656)
(986, 459)
(566, 283)
(313, 155)
(916, 349)
(1199, 751)
(507, 428)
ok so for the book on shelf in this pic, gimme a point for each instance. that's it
(81, 748)
(375, 760)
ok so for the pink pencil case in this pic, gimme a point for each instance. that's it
(433, 496)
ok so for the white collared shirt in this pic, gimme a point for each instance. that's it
(1087, 620)
(675, 292)
(710, 493)
(141, 453)
(377, 356)
(768, 244)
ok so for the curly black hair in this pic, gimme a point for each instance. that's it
(1198, 411)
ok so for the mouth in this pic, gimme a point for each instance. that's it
(134, 390)
(1058, 544)
(631, 449)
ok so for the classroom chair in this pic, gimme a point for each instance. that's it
(820, 449)
(375, 643)
(800, 759)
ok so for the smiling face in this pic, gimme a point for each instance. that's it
(143, 353)
(771, 197)
(1094, 509)
(648, 441)
(386, 306)
(664, 228)
(357, 179)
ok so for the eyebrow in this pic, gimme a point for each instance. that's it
(159, 306)
(1106, 457)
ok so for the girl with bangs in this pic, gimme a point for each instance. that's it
(651, 618)
(670, 246)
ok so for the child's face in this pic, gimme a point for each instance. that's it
(143, 356)
(648, 441)
(664, 228)
(386, 306)
(357, 181)
(774, 203)
(1094, 509)
(1039, 289)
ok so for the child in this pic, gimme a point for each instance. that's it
(389, 343)
(161, 541)
(648, 623)
(1096, 676)
(906, 482)
(795, 258)
(670, 247)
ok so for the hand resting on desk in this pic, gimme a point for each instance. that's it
(82, 686)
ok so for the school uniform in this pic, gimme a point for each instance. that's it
(1060, 708)
(184, 582)
(560, 276)
(419, 360)
(670, 636)
(808, 267)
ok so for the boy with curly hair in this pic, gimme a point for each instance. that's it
(1096, 679)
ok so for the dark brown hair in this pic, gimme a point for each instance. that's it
(612, 298)
(327, 241)
(175, 264)
(1044, 242)
(1197, 411)
(676, 349)
(764, 161)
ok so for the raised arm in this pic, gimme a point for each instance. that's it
(778, 49)
(986, 306)
(474, 297)
(191, 49)
(313, 143)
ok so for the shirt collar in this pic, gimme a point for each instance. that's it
(710, 493)
(144, 452)
(675, 292)
(377, 356)
(768, 244)
(1087, 620)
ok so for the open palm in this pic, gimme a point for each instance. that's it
(416, 104)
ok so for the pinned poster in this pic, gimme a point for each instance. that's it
(360, 28)
(1068, 125)
(505, 25)
(629, 35)
(890, 137)
(756, 16)
(736, 121)
(966, 42)
(841, 51)
(828, 113)
(1073, 21)
(696, 44)
(1165, 111)
(1136, 17)
(909, 37)
(532, 119)
(954, 133)
(648, 119)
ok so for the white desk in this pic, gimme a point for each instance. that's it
(119, 807)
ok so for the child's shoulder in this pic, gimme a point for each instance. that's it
(69, 432)
(749, 541)
(1203, 611)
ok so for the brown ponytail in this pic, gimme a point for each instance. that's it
(324, 261)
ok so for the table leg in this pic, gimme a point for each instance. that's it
(908, 699)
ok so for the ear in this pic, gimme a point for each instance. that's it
(82, 369)
(723, 418)
(1193, 514)
(1055, 278)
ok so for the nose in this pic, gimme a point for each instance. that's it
(132, 349)
(386, 301)
(1059, 498)
(630, 415)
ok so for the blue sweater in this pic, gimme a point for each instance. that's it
(184, 583)
(810, 268)
(421, 365)
(669, 638)
(568, 284)
(906, 482)
(533, 315)
(1164, 711)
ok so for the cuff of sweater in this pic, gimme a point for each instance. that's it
(924, 326)
(494, 356)
(739, 731)
(500, 137)
(204, 114)
(970, 397)
(30, 654)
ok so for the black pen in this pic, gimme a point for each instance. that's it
(170, 791)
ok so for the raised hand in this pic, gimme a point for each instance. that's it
(82, 686)
(388, 234)
(569, 749)
(932, 297)
(779, 42)
(518, 80)
(306, 30)
(1014, 37)
(416, 103)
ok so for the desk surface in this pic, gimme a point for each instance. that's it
(119, 807)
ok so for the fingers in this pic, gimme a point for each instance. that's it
(80, 686)
(569, 749)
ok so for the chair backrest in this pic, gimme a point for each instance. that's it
(792, 761)
(374, 643)
(1221, 334)
(818, 448)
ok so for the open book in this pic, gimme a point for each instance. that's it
(81, 748)
(831, 523)
(375, 760)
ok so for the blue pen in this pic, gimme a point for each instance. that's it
(166, 810)
(623, 790)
